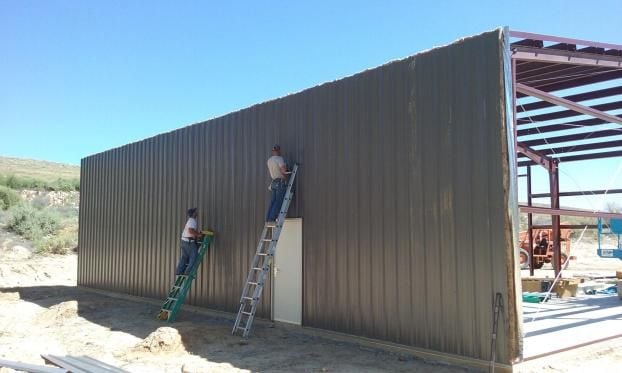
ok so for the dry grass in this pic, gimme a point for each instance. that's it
(41, 170)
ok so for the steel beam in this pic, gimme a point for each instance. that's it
(581, 157)
(567, 226)
(555, 72)
(528, 119)
(579, 193)
(536, 156)
(561, 126)
(575, 98)
(561, 150)
(558, 56)
(604, 75)
(573, 137)
(568, 212)
(558, 39)
(566, 103)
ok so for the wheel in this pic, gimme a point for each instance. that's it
(523, 257)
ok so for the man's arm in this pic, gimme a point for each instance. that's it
(193, 230)
(194, 233)
(283, 169)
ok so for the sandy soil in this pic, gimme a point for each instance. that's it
(43, 312)
(605, 357)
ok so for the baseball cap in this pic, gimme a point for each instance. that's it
(276, 147)
(191, 211)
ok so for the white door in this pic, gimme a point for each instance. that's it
(287, 274)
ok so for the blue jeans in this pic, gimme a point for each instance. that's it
(278, 186)
(189, 256)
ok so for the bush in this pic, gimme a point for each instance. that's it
(8, 198)
(40, 202)
(16, 182)
(31, 223)
(64, 185)
(60, 244)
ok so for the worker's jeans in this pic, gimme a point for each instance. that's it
(278, 186)
(189, 256)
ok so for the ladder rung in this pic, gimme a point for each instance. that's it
(254, 283)
(249, 298)
(247, 313)
(268, 240)
(263, 254)
(258, 268)
(239, 327)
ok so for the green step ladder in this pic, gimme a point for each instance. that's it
(181, 286)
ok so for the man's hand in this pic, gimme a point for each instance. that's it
(195, 233)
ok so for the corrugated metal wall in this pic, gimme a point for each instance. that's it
(403, 191)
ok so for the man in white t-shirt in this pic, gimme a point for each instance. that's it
(278, 186)
(189, 247)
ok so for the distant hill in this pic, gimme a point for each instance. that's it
(39, 170)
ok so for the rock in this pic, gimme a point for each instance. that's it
(164, 339)
(18, 252)
(59, 313)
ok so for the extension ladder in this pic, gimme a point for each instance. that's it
(181, 286)
(260, 266)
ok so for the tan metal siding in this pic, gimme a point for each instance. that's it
(402, 190)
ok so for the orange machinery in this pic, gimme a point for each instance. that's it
(543, 247)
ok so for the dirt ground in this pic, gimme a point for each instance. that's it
(43, 312)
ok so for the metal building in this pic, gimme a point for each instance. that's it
(406, 202)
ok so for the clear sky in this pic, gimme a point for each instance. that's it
(77, 78)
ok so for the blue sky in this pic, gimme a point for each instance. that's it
(77, 78)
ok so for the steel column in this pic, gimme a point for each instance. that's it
(530, 222)
(555, 219)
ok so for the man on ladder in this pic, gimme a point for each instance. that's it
(278, 186)
(282, 194)
(189, 262)
(189, 247)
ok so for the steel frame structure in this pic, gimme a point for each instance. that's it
(542, 64)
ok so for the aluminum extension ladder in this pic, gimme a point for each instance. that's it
(181, 286)
(260, 266)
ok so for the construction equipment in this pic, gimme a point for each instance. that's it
(615, 227)
(181, 286)
(543, 247)
(260, 266)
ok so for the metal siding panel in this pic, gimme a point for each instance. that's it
(402, 193)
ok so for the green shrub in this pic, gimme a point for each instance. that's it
(40, 202)
(31, 223)
(16, 182)
(8, 198)
(60, 244)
